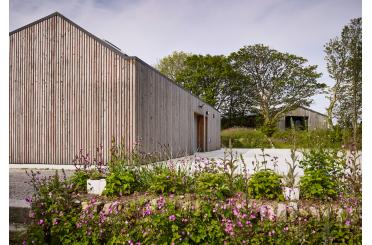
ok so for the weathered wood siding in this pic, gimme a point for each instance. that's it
(68, 91)
(166, 115)
(315, 120)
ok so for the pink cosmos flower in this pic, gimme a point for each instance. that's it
(348, 222)
(172, 217)
(40, 222)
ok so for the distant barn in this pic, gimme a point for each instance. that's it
(302, 118)
(70, 90)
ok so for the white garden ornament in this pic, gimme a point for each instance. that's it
(96, 186)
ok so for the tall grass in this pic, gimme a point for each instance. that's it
(252, 138)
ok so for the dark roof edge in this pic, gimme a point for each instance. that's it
(109, 47)
(171, 81)
(305, 108)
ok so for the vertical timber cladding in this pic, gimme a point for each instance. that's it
(68, 91)
(166, 114)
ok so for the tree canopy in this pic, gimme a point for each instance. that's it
(254, 79)
(278, 82)
(171, 64)
(344, 64)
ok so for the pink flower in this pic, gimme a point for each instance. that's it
(348, 222)
(229, 227)
(285, 228)
(40, 222)
(147, 210)
(160, 202)
(239, 224)
(172, 217)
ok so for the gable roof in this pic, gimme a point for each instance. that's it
(109, 46)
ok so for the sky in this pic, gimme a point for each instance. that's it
(152, 29)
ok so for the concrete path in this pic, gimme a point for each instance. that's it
(19, 187)
(273, 157)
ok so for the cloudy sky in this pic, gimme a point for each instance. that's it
(151, 29)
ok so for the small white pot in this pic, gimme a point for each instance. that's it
(291, 194)
(96, 186)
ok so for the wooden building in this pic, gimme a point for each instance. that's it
(303, 118)
(70, 90)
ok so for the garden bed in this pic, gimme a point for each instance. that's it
(214, 204)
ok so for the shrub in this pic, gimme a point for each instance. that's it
(265, 184)
(213, 184)
(120, 183)
(323, 171)
(244, 138)
(80, 177)
(165, 179)
(53, 210)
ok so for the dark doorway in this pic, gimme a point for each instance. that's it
(201, 132)
(299, 123)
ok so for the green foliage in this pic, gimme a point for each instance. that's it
(165, 180)
(244, 138)
(344, 64)
(323, 170)
(269, 128)
(252, 138)
(80, 177)
(278, 82)
(212, 184)
(52, 204)
(265, 184)
(209, 77)
(120, 183)
(318, 184)
(170, 65)
(79, 180)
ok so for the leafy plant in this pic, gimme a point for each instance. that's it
(323, 171)
(213, 184)
(167, 179)
(120, 183)
(53, 209)
(265, 184)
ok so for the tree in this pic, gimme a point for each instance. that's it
(278, 82)
(212, 78)
(344, 64)
(171, 64)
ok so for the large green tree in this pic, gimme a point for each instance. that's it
(212, 78)
(170, 65)
(344, 64)
(278, 82)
